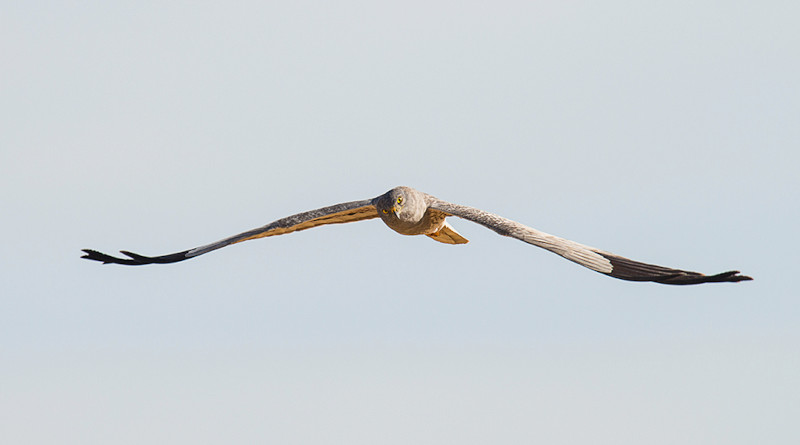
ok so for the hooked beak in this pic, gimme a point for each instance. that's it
(395, 210)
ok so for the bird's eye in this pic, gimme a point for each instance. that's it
(399, 199)
(385, 211)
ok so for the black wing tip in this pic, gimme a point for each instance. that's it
(698, 278)
(104, 258)
(91, 255)
(731, 276)
(135, 259)
(626, 269)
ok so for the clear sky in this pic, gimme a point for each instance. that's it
(663, 131)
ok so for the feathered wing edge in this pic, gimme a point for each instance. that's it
(335, 214)
(627, 269)
(595, 259)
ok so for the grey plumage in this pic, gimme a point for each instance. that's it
(583, 255)
(411, 212)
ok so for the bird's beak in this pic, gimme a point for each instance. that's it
(395, 210)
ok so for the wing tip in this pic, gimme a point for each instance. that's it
(94, 255)
(626, 269)
(134, 258)
(732, 276)
(698, 278)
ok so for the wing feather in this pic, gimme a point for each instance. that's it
(335, 214)
(595, 259)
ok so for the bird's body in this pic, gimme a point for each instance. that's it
(410, 212)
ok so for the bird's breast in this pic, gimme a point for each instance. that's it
(430, 222)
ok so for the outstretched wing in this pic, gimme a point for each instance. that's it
(335, 214)
(595, 259)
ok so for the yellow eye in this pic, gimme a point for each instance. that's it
(399, 199)
(385, 211)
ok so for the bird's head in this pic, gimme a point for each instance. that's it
(401, 203)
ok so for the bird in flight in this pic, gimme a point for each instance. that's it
(411, 212)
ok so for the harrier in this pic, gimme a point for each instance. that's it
(411, 212)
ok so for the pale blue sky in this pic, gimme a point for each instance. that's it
(663, 132)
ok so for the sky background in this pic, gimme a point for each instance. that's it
(665, 132)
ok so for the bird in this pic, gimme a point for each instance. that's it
(410, 212)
